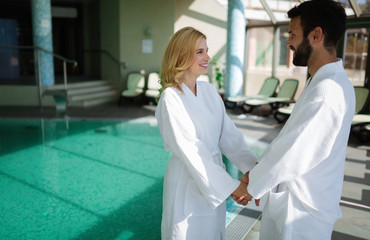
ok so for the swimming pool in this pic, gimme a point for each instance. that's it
(83, 179)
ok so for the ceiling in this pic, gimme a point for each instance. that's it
(274, 11)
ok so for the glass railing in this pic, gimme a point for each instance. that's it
(20, 65)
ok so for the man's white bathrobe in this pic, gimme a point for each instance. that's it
(196, 185)
(304, 165)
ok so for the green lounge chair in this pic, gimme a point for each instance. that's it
(135, 86)
(153, 89)
(361, 120)
(361, 127)
(284, 97)
(283, 113)
(362, 95)
(364, 134)
(268, 89)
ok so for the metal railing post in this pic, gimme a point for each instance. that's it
(122, 65)
(37, 51)
(39, 76)
(65, 74)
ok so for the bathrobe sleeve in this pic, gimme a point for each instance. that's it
(180, 137)
(234, 146)
(304, 142)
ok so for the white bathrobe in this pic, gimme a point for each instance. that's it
(305, 163)
(196, 185)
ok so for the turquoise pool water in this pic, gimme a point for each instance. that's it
(83, 179)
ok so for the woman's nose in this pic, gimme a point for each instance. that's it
(208, 57)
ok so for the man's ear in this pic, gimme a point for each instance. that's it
(317, 35)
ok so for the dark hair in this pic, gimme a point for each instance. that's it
(327, 14)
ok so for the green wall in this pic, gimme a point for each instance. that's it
(121, 26)
(118, 27)
(23, 96)
(110, 40)
(134, 18)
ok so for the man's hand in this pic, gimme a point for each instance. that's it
(245, 178)
(241, 195)
(243, 200)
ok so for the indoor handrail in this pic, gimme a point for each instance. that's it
(44, 50)
(38, 49)
(122, 65)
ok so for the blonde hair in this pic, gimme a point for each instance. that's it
(179, 56)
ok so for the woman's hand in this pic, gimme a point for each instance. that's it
(241, 195)
(242, 199)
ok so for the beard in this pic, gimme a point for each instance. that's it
(302, 54)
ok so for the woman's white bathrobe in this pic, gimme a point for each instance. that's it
(196, 185)
(306, 160)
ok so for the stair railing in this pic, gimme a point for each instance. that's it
(122, 65)
(37, 51)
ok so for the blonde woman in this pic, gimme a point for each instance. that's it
(195, 129)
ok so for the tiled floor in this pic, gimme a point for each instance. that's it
(355, 223)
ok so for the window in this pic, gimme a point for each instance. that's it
(260, 52)
(363, 6)
(355, 54)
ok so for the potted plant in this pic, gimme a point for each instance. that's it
(219, 68)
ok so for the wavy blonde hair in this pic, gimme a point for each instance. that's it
(179, 56)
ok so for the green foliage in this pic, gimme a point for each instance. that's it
(365, 7)
(219, 72)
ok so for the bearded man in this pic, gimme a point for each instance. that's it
(302, 169)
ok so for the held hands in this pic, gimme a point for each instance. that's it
(241, 195)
